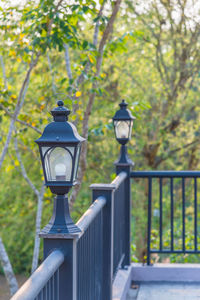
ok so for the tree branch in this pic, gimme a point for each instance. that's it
(19, 104)
(80, 79)
(36, 250)
(95, 42)
(18, 120)
(67, 61)
(23, 170)
(4, 72)
(83, 157)
(5, 262)
(40, 195)
(52, 75)
(163, 158)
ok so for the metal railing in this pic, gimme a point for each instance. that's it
(170, 177)
(86, 268)
(119, 222)
(110, 241)
(44, 282)
(89, 252)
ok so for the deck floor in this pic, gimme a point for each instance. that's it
(165, 291)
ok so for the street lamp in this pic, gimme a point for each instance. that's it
(60, 146)
(123, 123)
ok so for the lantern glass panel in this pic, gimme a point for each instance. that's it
(44, 150)
(122, 129)
(130, 129)
(76, 162)
(58, 163)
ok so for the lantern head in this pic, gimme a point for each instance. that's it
(60, 146)
(123, 123)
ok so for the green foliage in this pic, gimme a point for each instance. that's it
(165, 134)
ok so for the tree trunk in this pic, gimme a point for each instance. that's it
(7, 268)
(36, 250)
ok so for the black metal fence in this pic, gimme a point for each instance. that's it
(89, 253)
(44, 282)
(178, 182)
(119, 228)
(85, 265)
(51, 289)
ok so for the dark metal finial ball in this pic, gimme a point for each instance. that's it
(60, 103)
(123, 104)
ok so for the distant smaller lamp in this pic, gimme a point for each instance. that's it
(123, 123)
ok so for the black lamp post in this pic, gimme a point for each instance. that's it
(123, 123)
(60, 146)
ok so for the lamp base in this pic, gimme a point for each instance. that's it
(124, 159)
(61, 223)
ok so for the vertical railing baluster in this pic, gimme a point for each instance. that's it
(172, 213)
(94, 253)
(161, 218)
(58, 280)
(48, 288)
(46, 291)
(79, 263)
(149, 220)
(87, 250)
(195, 214)
(161, 221)
(53, 284)
(87, 264)
(51, 288)
(183, 214)
(89, 259)
(95, 233)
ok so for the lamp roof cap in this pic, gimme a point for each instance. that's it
(60, 113)
(123, 113)
(60, 131)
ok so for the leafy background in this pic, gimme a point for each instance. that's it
(151, 59)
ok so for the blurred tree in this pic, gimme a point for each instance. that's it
(34, 36)
(90, 54)
(169, 40)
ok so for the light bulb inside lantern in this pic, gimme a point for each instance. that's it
(122, 130)
(60, 171)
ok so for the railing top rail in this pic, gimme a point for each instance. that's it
(86, 219)
(119, 179)
(165, 174)
(40, 277)
(110, 186)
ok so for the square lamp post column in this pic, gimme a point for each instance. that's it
(60, 146)
(123, 123)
